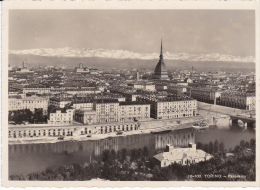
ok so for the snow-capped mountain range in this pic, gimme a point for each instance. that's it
(124, 54)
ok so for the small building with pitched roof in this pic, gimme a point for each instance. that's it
(183, 156)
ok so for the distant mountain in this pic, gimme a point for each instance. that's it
(126, 63)
(69, 52)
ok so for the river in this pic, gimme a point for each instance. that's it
(28, 158)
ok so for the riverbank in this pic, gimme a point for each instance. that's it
(39, 140)
(219, 119)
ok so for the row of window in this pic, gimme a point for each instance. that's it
(40, 133)
(181, 162)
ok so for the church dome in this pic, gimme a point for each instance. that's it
(160, 68)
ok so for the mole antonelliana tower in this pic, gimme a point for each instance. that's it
(160, 71)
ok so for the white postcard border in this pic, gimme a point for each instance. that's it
(58, 4)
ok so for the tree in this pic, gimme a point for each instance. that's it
(199, 145)
(216, 146)
(252, 143)
(113, 155)
(139, 153)
(221, 147)
(122, 155)
(238, 149)
(38, 115)
(106, 156)
(247, 145)
(206, 147)
(28, 115)
(59, 177)
(15, 116)
(211, 147)
(242, 144)
(145, 152)
(106, 172)
(134, 154)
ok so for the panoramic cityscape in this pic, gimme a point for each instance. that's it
(111, 111)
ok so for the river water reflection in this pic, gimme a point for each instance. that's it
(28, 158)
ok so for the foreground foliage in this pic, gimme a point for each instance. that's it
(135, 165)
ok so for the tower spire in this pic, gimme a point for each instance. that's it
(161, 54)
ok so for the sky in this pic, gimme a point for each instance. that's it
(183, 31)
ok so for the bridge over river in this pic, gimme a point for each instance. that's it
(248, 121)
(237, 117)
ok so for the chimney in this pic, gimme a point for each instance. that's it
(192, 146)
(169, 148)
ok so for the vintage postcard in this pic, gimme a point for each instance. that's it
(130, 94)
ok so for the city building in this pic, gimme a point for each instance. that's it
(143, 86)
(83, 91)
(68, 130)
(61, 117)
(112, 111)
(176, 89)
(107, 110)
(59, 102)
(36, 89)
(170, 107)
(81, 69)
(207, 95)
(182, 156)
(129, 94)
(161, 86)
(161, 71)
(31, 103)
(134, 111)
(86, 116)
(83, 104)
(239, 100)
(24, 68)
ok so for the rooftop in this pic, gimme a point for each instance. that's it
(62, 110)
(180, 154)
(106, 101)
(166, 99)
(232, 93)
(133, 103)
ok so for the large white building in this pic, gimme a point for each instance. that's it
(107, 110)
(60, 117)
(183, 156)
(134, 111)
(207, 95)
(239, 100)
(170, 107)
(18, 103)
(112, 111)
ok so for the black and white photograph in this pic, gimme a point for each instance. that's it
(115, 94)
